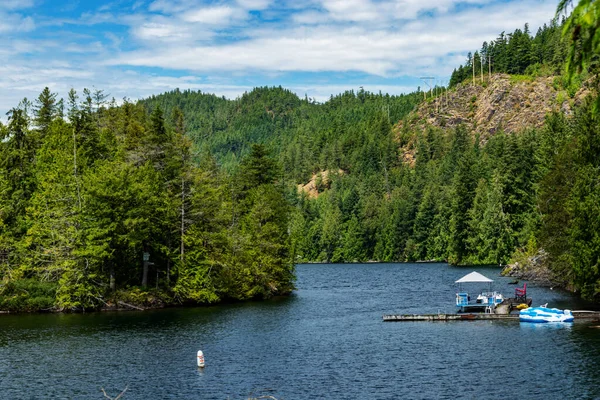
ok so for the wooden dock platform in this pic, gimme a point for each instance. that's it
(449, 317)
(579, 315)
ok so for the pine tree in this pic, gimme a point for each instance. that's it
(54, 232)
(205, 239)
(463, 189)
(45, 110)
(352, 248)
(582, 25)
(584, 228)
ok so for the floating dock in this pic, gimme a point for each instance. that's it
(579, 315)
(448, 317)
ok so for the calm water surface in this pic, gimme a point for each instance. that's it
(326, 341)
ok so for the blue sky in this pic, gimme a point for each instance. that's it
(134, 48)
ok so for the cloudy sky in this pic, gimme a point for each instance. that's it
(135, 48)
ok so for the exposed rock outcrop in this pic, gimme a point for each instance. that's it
(534, 268)
(318, 183)
(502, 103)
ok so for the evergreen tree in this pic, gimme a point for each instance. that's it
(463, 189)
(583, 25)
(45, 110)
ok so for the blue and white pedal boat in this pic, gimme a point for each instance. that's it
(484, 301)
(543, 314)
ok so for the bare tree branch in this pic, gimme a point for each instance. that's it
(118, 397)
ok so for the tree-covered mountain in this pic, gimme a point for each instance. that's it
(467, 177)
(305, 135)
(208, 188)
(107, 202)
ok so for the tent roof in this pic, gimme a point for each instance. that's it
(474, 277)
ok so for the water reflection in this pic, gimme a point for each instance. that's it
(546, 325)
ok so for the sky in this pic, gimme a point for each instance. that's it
(316, 48)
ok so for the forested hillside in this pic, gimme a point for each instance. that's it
(425, 191)
(518, 53)
(305, 135)
(470, 177)
(186, 197)
(106, 203)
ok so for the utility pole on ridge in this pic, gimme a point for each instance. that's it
(426, 80)
(481, 62)
(473, 62)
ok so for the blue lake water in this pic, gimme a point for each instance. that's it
(326, 341)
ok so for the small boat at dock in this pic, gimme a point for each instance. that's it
(485, 301)
(543, 314)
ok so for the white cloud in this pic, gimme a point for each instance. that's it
(310, 17)
(408, 49)
(15, 4)
(254, 4)
(410, 9)
(226, 47)
(212, 15)
(156, 30)
(97, 18)
(384, 11)
(114, 39)
(159, 29)
(352, 10)
(11, 23)
(170, 6)
(19, 82)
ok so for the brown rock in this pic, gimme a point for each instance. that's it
(504, 103)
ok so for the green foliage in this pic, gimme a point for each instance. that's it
(141, 297)
(207, 187)
(22, 295)
(521, 78)
(584, 231)
(82, 200)
(303, 135)
(582, 27)
(537, 70)
(463, 190)
(519, 53)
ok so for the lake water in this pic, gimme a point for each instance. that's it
(326, 341)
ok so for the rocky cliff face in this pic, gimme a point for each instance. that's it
(533, 268)
(502, 103)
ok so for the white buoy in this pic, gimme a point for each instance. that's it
(200, 359)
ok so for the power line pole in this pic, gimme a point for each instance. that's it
(481, 62)
(385, 109)
(426, 80)
(473, 62)
(447, 84)
(436, 99)
(441, 97)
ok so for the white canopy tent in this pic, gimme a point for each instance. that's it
(486, 299)
(474, 277)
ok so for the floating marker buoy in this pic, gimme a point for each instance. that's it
(200, 359)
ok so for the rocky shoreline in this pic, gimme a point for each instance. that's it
(535, 269)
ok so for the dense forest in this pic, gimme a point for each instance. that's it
(518, 53)
(461, 199)
(187, 197)
(106, 202)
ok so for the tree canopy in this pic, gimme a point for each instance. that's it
(190, 198)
